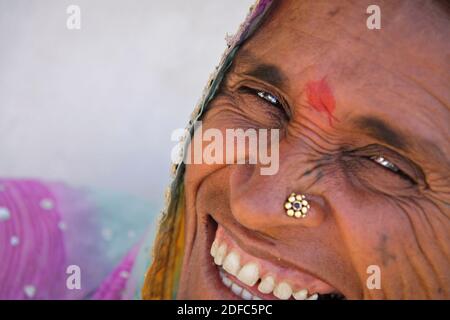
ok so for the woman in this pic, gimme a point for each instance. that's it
(359, 206)
(354, 123)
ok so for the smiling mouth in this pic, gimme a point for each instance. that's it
(252, 278)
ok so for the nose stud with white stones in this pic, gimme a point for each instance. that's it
(297, 206)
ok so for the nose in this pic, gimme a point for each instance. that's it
(257, 201)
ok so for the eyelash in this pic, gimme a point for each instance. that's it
(392, 167)
(270, 98)
(385, 163)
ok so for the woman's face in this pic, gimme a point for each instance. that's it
(340, 94)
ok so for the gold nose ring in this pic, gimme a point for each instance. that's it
(296, 206)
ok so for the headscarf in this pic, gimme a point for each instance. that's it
(162, 278)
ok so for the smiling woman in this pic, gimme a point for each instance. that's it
(363, 128)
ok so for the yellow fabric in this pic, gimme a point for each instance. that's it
(161, 280)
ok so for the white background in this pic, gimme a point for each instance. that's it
(95, 107)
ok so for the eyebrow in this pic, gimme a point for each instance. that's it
(383, 132)
(380, 130)
(266, 72)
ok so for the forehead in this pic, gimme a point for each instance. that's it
(386, 73)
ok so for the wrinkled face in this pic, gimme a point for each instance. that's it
(342, 96)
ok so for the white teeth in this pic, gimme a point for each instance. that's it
(313, 297)
(301, 295)
(246, 295)
(225, 280)
(249, 274)
(267, 284)
(214, 248)
(232, 263)
(236, 289)
(282, 291)
(220, 254)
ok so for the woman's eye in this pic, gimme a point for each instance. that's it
(268, 97)
(382, 161)
(385, 163)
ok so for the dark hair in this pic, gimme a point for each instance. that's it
(443, 5)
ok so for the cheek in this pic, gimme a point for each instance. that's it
(201, 155)
(213, 193)
(396, 234)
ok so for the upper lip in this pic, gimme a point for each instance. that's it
(267, 259)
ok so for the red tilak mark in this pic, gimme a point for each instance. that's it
(321, 98)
